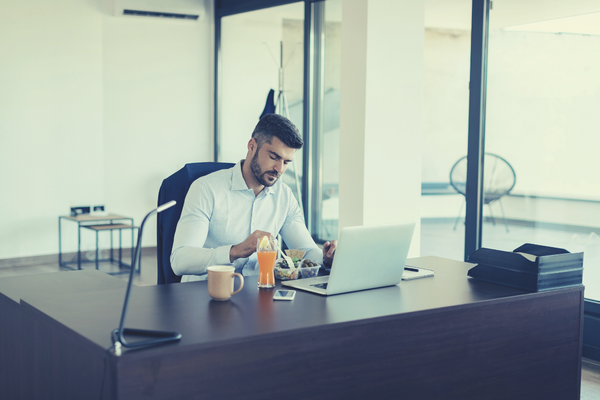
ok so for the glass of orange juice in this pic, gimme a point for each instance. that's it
(266, 250)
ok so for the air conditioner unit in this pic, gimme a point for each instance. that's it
(176, 9)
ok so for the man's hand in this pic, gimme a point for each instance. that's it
(247, 247)
(329, 252)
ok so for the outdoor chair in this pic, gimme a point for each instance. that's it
(499, 179)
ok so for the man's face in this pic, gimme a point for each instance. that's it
(270, 161)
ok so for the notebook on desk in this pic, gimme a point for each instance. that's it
(367, 257)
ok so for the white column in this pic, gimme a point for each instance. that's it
(381, 113)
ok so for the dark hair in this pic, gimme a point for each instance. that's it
(279, 126)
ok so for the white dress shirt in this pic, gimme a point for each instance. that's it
(220, 211)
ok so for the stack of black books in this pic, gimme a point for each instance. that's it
(530, 267)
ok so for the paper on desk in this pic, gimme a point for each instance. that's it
(529, 257)
(407, 275)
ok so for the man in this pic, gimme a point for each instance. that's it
(227, 211)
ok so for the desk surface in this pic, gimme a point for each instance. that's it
(17, 359)
(57, 283)
(252, 312)
(445, 337)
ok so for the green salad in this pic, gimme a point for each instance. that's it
(282, 263)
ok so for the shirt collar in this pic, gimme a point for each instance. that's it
(237, 179)
(238, 182)
(269, 189)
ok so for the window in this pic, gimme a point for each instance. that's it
(268, 45)
(261, 51)
(541, 97)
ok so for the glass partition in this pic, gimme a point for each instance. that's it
(261, 51)
(542, 95)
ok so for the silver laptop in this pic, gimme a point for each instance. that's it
(367, 257)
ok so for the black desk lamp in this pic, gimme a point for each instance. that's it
(157, 337)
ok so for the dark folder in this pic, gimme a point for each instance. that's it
(530, 267)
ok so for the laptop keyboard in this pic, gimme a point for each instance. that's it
(320, 285)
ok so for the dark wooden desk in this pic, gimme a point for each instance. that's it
(18, 359)
(446, 337)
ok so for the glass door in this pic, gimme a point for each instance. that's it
(541, 123)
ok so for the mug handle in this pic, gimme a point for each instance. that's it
(241, 282)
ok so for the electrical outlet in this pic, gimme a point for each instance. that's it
(75, 211)
(99, 211)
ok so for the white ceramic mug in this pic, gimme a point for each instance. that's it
(220, 282)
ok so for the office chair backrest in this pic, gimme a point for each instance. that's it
(175, 187)
(499, 177)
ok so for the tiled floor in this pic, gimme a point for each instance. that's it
(147, 277)
(590, 380)
(590, 376)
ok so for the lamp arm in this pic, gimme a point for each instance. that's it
(136, 258)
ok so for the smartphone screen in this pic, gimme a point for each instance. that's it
(284, 295)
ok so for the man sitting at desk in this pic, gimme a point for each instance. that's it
(227, 211)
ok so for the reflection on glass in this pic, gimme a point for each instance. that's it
(258, 48)
(541, 117)
(447, 47)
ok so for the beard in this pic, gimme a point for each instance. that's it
(262, 176)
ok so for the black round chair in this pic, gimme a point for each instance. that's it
(499, 179)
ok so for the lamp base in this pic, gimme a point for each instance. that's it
(158, 337)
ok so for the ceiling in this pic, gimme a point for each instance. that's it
(572, 16)
(565, 16)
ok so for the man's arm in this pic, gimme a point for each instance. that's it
(188, 256)
(247, 247)
(296, 236)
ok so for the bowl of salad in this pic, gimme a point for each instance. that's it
(285, 272)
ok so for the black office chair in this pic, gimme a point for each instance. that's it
(175, 187)
(499, 179)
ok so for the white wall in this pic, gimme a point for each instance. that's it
(158, 106)
(94, 109)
